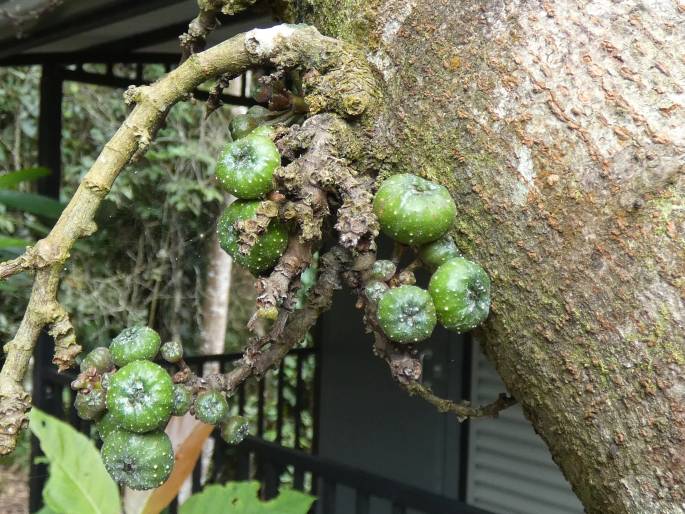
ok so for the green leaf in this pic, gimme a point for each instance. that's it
(14, 178)
(78, 479)
(32, 203)
(242, 499)
(12, 242)
(46, 510)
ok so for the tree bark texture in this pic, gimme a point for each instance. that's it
(559, 127)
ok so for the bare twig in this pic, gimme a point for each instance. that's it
(256, 361)
(463, 410)
(273, 290)
(206, 21)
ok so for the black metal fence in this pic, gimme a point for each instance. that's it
(340, 489)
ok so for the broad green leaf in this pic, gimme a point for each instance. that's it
(241, 498)
(46, 510)
(12, 242)
(32, 203)
(14, 178)
(78, 480)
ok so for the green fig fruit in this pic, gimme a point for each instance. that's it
(134, 343)
(211, 407)
(100, 359)
(412, 210)
(140, 396)
(406, 314)
(437, 253)
(461, 292)
(139, 461)
(269, 246)
(246, 167)
(171, 351)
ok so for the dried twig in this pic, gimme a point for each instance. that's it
(463, 410)
(206, 21)
(256, 361)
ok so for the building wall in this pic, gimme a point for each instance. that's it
(510, 470)
(368, 422)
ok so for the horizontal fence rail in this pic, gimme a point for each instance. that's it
(268, 462)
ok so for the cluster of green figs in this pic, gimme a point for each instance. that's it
(131, 399)
(411, 210)
(419, 213)
(245, 169)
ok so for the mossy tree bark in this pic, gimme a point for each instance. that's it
(559, 128)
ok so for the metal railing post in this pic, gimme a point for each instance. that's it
(45, 395)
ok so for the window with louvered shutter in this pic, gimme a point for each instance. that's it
(510, 469)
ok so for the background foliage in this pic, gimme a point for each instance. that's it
(147, 260)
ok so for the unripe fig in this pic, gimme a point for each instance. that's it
(134, 343)
(171, 351)
(246, 167)
(406, 314)
(106, 425)
(461, 292)
(264, 131)
(235, 429)
(243, 124)
(100, 359)
(139, 461)
(211, 407)
(437, 253)
(183, 399)
(375, 290)
(413, 210)
(383, 270)
(269, 246)
(140, 396)
(90, 404)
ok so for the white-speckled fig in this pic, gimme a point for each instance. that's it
(269, 247)
(134, 343)
(383, 270)
(460, 290)
(412, 210)
(211, 407)
(183, 399)
(437, 253)
(171, 351)
(99, 359)
(246, 167)
(90, 404)
(235, 429)
(375, 290)
(140, 396)
(139, 461)
(406, 314)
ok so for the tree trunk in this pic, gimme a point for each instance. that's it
(215, 305)
(559, 128)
